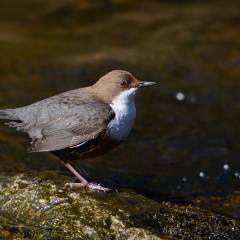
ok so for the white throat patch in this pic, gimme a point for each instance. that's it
(124, 107)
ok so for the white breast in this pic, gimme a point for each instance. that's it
(124, 107)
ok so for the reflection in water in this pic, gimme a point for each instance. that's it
(180, 96)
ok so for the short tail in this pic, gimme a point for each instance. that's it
(9, 114)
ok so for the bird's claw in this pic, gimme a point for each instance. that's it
(93, 186)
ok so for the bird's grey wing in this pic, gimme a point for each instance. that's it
(81, 124)
(34, 117)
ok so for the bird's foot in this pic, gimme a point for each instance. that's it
(71, 185)
(93, 186)
(97, 186)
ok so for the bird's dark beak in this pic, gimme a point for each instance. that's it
(146, 84)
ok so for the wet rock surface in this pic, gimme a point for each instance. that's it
(37, 206)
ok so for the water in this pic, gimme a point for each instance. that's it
(185, 141)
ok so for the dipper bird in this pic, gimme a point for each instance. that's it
(81, 123)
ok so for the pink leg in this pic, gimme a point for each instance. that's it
(83, 181)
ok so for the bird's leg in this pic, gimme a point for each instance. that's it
(83, 181)
(79, 169)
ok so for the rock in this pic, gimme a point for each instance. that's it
(36, 205)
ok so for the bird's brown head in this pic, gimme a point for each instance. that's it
(108, 87)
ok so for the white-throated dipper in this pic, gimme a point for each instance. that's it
(81, 123)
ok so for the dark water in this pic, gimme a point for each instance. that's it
(186, 138)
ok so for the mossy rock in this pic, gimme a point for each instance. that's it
(36, 205)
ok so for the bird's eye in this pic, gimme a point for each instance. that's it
(122, 84)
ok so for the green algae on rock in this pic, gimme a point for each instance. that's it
(36, 206)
